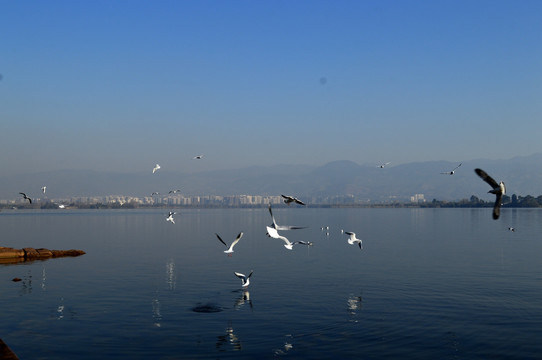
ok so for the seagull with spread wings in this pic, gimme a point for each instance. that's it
(498, 189)
(230, 249)
(290, 199)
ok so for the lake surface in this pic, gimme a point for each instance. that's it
(428, 284)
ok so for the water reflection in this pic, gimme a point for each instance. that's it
(43, 278)
(287, 346)
(354, 304)
(242, 300)
(171, 279)
(156, 315)
(227, 340)
(60, 310)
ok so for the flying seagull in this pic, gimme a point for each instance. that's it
(282, 227)
(498, 189)
(198, 157)
(155, 168)
(511, 229)
(170, 217)
(174, 191)
(382, 166)
(353, 240)
(155, 193)
(451, 172)
(245, 279)
(26, 197)
(273, 233)
(43, 188)
(230, 249)
(289, 199)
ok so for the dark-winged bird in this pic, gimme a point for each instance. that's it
(26, 197)
(499, 189)
(290, 199)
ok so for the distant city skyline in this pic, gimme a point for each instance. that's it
(121, 86)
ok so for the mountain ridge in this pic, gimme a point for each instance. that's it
(522, 175)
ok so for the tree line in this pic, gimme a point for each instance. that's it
(514, 201)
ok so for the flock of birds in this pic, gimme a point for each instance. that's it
(498, 189)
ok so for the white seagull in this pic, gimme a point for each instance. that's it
(353, 240)
(230, 249)
(174, 191)
(198, 157)
(43, 188)
(272, 232)
(498, 189)
(155, 193)
(282, 227)
(382, 166)
(290, 199)
(245, 279)
(511, 229)
(170, 217)
(155, 168)
(451, 172)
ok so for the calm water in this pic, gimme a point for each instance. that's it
(429, 284)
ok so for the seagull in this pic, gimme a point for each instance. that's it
(230, 249)
(511, 229)
(198, 157)
(282, 227)
(26, 197)
(170, 217)
(173, 191)
(272, 232)
(61, 206)
(382, 166)
(155, 193)
(352, 239)
(43, 188)
(289, 199)
(451, 172)
(155, 168)
(245, 279)
(498, 189)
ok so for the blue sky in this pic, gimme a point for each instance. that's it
(122, 85)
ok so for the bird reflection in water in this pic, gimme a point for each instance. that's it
(170, 274)
(286, 347)
(243, 299)
(60, 310)
(354, 304)
(43, 278)
(228, 339)
(156, 315)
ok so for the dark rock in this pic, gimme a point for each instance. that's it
(6, 353)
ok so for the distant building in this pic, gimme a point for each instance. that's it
(417, 198)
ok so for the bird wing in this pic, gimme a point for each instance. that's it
(457, 167)
(236, 240)
(488, 179)
(299, 202)
(497, 207)
(240, 276)
(286, 227)
(222, 241)
(272, 217)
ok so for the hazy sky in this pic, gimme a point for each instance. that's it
(122, 85)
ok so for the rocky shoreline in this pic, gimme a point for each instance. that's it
(11, 255)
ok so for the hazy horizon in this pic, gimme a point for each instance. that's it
(121, 86)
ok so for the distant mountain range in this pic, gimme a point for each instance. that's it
(522, 175)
